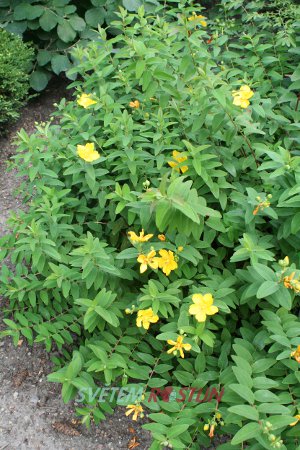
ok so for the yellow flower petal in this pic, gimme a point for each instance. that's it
(208, 299)
(85, 100)
(211, 310)
(197, 298)
(201, 316)
(88, 152)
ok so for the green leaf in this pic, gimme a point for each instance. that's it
(245, 411)
(21, 11)
(95, 17)
(39, 80)
(243, 391)
(77, 23)
(132, 5)
(65, 32)
(248, 431)
(60, 63)
(48, 20)
(43, 57)
(267, 288)
(177, 430)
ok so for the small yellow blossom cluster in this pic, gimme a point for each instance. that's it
(289, 281)
(203, 306)
(178, 345)
(136, 410)
(85, 100)
(135, 104)
(262, 204)
(242, 96)
(296, 354)
(166, 261)
(88, 152)
(141, 238)
(198, 19)
(275, 441)
(145, 317)
(179, 158)
(213, 423)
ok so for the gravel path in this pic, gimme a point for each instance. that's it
(32, 414)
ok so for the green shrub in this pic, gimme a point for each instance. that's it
(55, 26)
(157, 141)
(15, 65)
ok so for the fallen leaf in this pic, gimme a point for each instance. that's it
(65, 428)
(133, 443)
(20, 377)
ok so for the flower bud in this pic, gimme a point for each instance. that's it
(124, 379)
(286, 261)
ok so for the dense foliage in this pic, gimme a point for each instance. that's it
(161, 244)
(15, 65)
(55, 26)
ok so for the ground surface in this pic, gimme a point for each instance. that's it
(29, 405)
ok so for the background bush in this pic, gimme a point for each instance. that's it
(232, 221)
(55, 26)
(15, 64)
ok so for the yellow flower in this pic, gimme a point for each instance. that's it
(296, 354)
(135, 409)
(242, 96)
(212, 430)
(178, 345)
(135, 104)
(161, 237)
(206, 427)
(287, 281)
(85, 100)
(203, 306)
(178, 159)
(88, 152)
(167, 262)
(141, 238)
(297, 417)
(180, 248)
(148, 260)
(145, 317)
(198, 18)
